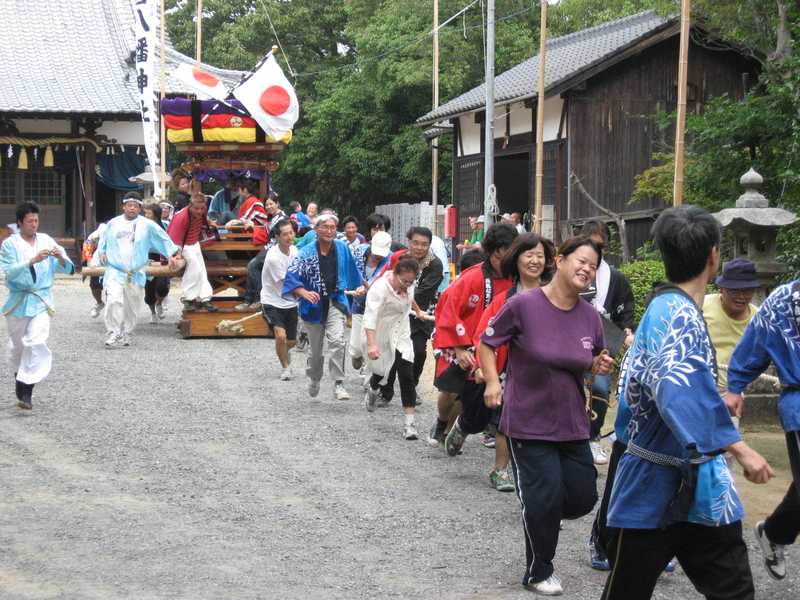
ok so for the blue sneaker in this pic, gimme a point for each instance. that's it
(596, 558)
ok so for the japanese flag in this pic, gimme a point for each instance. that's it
(270, 99)
(201, 81)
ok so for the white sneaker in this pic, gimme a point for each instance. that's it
(549, 587)
(339, 392)
(243, 307)
(160, 310)
(125, 339)
(96, 310)
(598, 454)
(286, 374)
(313, 388)
(153, 319)
(113, 341)
(410, 431)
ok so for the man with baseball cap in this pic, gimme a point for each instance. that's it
(123, 250)
(319, 276)
(728, 312)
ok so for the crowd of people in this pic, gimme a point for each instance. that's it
(526, 340)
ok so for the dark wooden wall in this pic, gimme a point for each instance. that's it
(611, 120)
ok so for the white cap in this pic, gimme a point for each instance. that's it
(480, 219)
(381, 244)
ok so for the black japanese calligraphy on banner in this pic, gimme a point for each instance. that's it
(146, 24)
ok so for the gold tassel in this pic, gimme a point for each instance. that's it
(22, 165)
(48, 157)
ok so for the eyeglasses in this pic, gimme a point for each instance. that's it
(327, 227)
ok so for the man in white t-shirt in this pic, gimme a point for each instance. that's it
(278, 310)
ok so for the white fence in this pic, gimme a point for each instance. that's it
(405, 216)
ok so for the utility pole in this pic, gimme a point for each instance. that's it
(199, 40)
(435, 142)
(683, 76)
(537, 223)
(162, 93)
(488, 171)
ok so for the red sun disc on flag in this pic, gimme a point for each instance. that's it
(275, 100)
(206, 79)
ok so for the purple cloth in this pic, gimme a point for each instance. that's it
(206, 175)
(549, 351)
(183, 107)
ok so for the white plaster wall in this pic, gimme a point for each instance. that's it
(470, 135)
(125, 132)
(521, 123)
(54, 126)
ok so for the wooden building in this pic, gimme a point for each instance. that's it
(603, 88)
(68, 83)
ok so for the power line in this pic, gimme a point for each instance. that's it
(277, 39)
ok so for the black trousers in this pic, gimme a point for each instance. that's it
(555, 480)
(419, 340)
(601, 533)
(714, 559)
(404, 370)
(783, 525)
(254, 267)
(156, 288)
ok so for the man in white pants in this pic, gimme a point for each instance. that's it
(123, 250)
(186, 229)
(30, 260)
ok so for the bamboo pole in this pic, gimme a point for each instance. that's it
(435, 144)
(199, 40)
(162, 93)
(537, 224)
(680, 126)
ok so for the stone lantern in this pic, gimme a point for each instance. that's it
(755, 228)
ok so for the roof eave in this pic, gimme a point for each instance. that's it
(657, 35)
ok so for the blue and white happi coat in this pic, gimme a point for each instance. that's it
(304, 273)
(670, 389)
(773, 335)
(30, 287)
(147, 237)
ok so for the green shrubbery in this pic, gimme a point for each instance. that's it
(642, 274)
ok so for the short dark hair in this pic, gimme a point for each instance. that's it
(374, 221)
(423, 231)
(471, 258)
(132, 196)
(26, 208)
(572, 244)
(523, 243)
(498, 236)
(594, 227)
(349, 219)
(405, 265)
(295, 205)
(156, 209)
(251, 185)
(685, 235)
(276, 229)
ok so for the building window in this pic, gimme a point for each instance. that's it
(44, 186)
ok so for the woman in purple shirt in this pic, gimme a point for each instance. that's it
(553, 337)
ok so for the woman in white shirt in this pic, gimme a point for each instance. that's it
(387, 337)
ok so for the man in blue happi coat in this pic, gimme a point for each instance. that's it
(773, 336)
(30, 260)
(319, 276)
(673, 494)
(123, 249)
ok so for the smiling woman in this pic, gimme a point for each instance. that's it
(553, 339)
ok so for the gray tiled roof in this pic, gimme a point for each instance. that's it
(69, 56)
(567, 56)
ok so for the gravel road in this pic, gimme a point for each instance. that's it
(186, 469)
